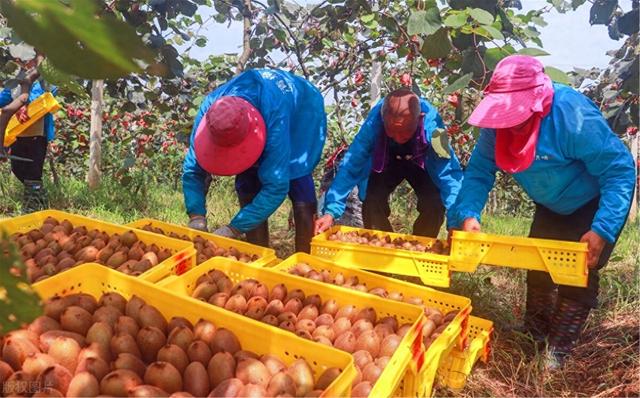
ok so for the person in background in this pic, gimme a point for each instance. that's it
(31, 144)
(267, 127)
(557, 145)
(393, 145)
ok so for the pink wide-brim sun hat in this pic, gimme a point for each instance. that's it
(514, 94)
(230, 137)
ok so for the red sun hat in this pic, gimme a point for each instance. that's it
(516, 91)
(230, 137)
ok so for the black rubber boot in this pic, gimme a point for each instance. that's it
(537, 317)
(566, 325)
(303, 217)
(260, 234)
(35, 197)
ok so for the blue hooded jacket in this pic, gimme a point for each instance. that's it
(578, 158)
(357, 163)
(293, 112)
(36, 91)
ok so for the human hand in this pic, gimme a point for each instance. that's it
(22, 114)
(198, 222)
(228, 231)
(471, 225)
(322, 224)
(595, 244)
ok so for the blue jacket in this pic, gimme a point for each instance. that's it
(578, 157)
(293, 112)
(36, 91)
(357, 163)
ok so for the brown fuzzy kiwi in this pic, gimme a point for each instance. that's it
(16, 350)
(181, 336)
(35, 363)
(130, 362)
(302, 375)
(124, 343)
(204, 330)
(199, 351)
(83, 384)
(221, 367)
(129, 238)
(150, 316)
(281, 384)
(225, 341)
(228, 388)
(133, 307)
(47, 338)
(17, 384)
(43, 324)
(116, 260)
(178, 321)
(163, 375)
(57, 377)
(119, 382)
(94, 365)
(76, 319)
(107, 314)
(175, 355)
(5, 372)
(126, 324)
(205, 290)
(147, 391)
(150, 339)
(196, 380)
(65, 351)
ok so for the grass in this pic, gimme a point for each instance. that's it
(606, 361)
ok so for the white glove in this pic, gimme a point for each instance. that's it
(228, 232)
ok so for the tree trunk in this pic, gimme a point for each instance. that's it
(376, 82)
(95, 140)
(246, 37)
(635, 152)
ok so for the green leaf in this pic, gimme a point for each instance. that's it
(493, 55)
(534, 52)
(493, 32)
(424, 21)
(456, 20)
(440, 143)
(557, 75)
(483, 17)
(19, 304)
(367, 18)
(437, 45)
(58, 78)
(77, 37)
(349, 38)
(22, 51)
(459, 84)
(538, 21)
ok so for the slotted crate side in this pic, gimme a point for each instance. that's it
(457, 366)
(179, 262)
(566, 262)
(433, 269)
(95, 280)
(410, 346)
(266, 256)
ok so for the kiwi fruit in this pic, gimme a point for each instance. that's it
(199, 351)
(130, 362)
(302, 375)
(43, 324)
(150, 339)
(164, 376)
(221, 367)
(113, 299)
(126, 324)
(147, 391)
(124, 342)
(150, 316)
(175, 355)
(119, 382)
(204, 330)
(196, 380)
(56, 376)
(65, 351)
(83, 384)
(76, 319)
(178, 321)
(225, 341)
(16, 350)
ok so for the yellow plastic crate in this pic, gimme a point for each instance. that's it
(266, 256)
(392, 375)
(182, 259)
(427, 363)
(95, 280)
(457, 366)
(433, 269)
(36, 110)
(566, 262)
